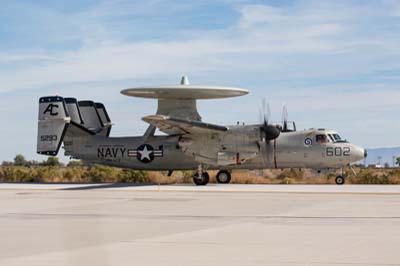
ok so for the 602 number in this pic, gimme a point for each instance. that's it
(338, 151)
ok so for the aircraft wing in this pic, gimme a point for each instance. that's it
(176, 126)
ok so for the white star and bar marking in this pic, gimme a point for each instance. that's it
(145, 153)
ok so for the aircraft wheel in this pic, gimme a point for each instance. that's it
(223, 177)
(340, 180)
(201, 181)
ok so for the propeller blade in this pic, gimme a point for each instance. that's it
(263, 111)
(268, 132)
(268, 112)
(285, 117)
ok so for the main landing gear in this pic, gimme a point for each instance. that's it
(223, 177)
(201, 178)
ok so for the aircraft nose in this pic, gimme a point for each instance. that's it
(359, 154)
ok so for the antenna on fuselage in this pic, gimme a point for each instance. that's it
(184, 80)
(285, 121)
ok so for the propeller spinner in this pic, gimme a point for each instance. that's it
(269, 132)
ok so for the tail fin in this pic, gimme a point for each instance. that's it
(90, 116)
(52, 125)
(95, 117)
(105, 119)
(73, 110)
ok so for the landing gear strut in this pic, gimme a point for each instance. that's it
(223, 177)
(201, 178)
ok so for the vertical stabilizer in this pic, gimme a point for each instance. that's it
(73, 110)
(90, 116)
(105, 119)
(52, 125)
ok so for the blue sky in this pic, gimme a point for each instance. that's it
(336, 64)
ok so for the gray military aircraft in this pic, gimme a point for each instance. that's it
(189, 144)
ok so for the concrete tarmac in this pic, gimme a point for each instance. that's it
(105, 224)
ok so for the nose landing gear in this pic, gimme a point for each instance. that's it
(340, 180)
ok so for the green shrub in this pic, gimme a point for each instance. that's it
(368, 176)
(75, 174)
(100, 173)
(133, 176)
(75, 163)
(18, 174)
(19, 160)
(52, 161)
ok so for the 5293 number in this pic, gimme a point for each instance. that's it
(48, 138)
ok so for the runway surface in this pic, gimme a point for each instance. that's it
(111, 224)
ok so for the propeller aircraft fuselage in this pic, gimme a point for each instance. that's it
(189, 143)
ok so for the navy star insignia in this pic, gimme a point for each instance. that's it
(145, 153)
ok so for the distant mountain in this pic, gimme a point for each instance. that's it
(382, 155)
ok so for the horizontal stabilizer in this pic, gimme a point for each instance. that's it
(172, 126)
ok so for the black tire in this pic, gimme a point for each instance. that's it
(340, 180)
(223, 177)
(203, 180)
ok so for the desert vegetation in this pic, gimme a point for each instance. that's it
(51, 170)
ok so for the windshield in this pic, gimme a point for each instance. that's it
(336, 138)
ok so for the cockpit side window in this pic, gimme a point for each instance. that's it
(321, 138)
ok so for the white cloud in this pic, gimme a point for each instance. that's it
(269, 38)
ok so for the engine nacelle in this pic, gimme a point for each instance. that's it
(225, 148)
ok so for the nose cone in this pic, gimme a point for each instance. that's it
(359, 154)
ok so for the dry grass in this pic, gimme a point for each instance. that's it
(84, 174)
(288, 176)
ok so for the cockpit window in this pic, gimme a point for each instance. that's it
(331, 137)
(321, 138)
(336, 138)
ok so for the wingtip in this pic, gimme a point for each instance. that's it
(154, 118)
